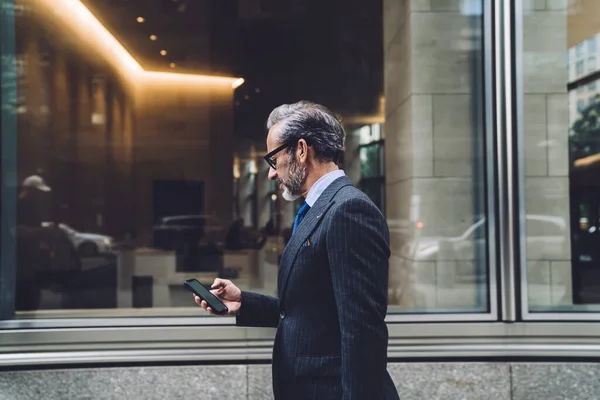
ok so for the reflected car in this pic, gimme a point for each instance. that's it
(547, 239)
(465, 256)
(171, 232)
(89, 244)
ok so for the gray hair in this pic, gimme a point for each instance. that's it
(319, 126)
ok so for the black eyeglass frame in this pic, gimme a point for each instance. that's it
(269, 156)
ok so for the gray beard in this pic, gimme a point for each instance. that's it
(292, 188)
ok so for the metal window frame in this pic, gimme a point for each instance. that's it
(507, 189)
(147, 345)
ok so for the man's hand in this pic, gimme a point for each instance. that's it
(228, 293)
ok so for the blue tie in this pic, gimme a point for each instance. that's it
(300, 215)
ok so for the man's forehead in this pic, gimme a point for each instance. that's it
(274, 135)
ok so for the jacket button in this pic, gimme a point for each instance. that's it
(282, 315)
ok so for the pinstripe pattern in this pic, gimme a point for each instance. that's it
(332, 340)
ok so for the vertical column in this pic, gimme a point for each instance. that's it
(127, 166)
(35, 144)
(263, 194)
(220, 153)
(83, 182)
(60, 133)
(114, 184)
(352, 155)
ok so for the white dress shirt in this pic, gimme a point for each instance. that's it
(319, 187)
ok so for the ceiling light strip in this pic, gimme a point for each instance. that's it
(77, 16)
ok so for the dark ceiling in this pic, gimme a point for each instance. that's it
(328, 51)
(188, 30)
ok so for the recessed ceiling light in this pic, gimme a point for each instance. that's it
(163, 52)
(172, 65)
(257, 90)
(140, 19)
(153, 37)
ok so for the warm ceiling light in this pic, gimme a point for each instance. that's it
(257, 90)
(153, 37)
(585, 161)
(140, 19)
(172, 65)
(163, 52)
(188, 78)
(237, 83)
(74, 15)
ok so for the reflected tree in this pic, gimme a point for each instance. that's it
(585, 131)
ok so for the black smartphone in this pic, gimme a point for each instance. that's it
(201, 291)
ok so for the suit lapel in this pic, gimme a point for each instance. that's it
(310, 222)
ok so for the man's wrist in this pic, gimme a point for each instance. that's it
(237, 313)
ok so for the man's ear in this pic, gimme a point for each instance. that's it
(302, 150)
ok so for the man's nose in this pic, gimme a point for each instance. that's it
(272, 173)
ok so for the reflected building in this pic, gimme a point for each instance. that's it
(108, 133)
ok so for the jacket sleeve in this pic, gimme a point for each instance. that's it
(358, 250)
(258, 310)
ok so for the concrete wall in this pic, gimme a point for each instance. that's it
(415, 381)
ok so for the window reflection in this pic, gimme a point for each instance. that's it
(140, 136)
(562, 153)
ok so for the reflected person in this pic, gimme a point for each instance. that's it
(331, 340)
(33, 204)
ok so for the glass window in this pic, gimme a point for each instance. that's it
(592, 43)
(118, 163)
(579, 67)
(370, 165)
(591, 67)
(370, 133)
(372, 173)
(562, 150)
(579, 50)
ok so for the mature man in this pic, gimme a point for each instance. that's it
(331, 340)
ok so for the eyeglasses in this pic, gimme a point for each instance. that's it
(269, 157)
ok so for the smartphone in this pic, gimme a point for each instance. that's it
(201, 291)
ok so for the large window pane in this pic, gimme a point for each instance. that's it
(562, 149)
(435, 186)
(137, 149)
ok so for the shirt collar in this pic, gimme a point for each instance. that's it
(320, 185)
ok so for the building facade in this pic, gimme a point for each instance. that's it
(128, 160)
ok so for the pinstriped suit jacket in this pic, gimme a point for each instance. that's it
(331, 340)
